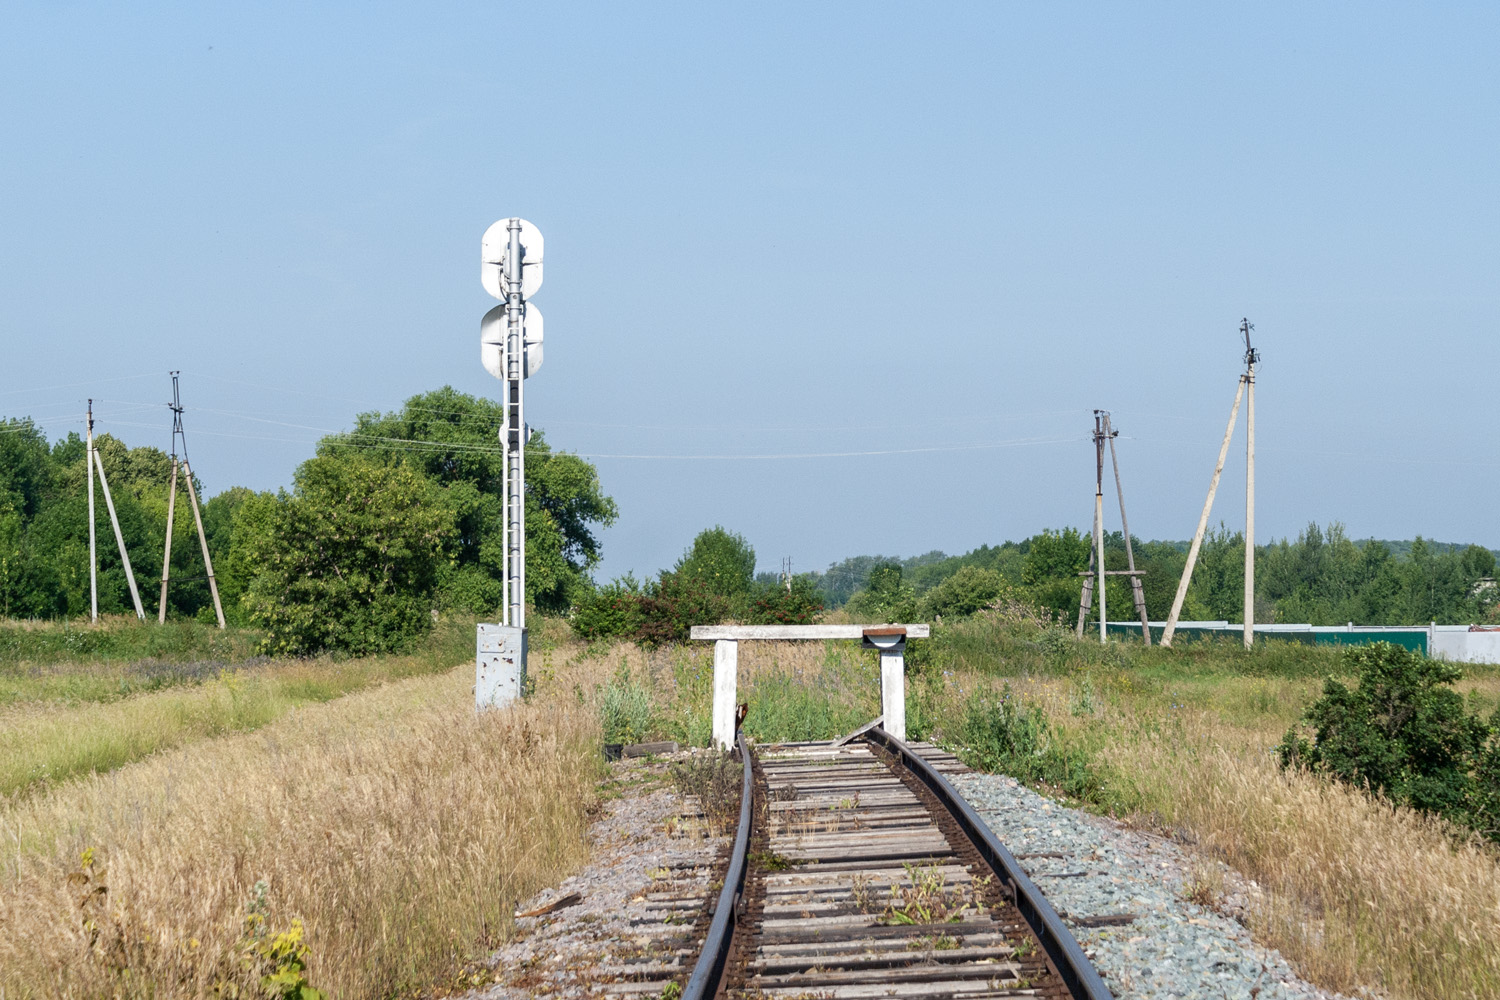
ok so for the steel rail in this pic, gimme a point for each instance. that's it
(708, 973)
(1057, 941)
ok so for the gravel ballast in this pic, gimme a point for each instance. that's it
(1091, 867)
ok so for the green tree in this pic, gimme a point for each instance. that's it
(723, 562)
(886, 597)
(963, 593)
(349, 559)
(450, 437)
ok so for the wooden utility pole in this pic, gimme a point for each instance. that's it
(88, 469)
(1208, 504)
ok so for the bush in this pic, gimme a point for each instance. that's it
(778, 605)
(675, 605)
(1012, 736)
(1403, 733)
(614, 611)
(885, 597)
(963, 593)
(721, 561)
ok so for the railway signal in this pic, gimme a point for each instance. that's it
(510, 348)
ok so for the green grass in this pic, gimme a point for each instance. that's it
(121, 639)
(42, 744)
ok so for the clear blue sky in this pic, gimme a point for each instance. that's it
(785, 229)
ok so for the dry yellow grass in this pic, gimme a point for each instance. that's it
(1356, 893)
(396, 824)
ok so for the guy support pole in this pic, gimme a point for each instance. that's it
(515, 432)
(1135, 581)
(1208, 505)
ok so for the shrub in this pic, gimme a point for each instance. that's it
(885, 597)
(614, 611)
(963, 593)
(778, 605)
(720, 560)
(674, 605)
(1403, 732)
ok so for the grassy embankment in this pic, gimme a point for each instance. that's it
(72, 701)
(1355, 892)
(393, 824)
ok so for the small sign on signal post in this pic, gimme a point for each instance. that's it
(510, 348)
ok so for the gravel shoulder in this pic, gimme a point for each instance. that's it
(632, 926)
(1091, 867)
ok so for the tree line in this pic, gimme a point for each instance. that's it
(386, 524)
(1322, 577)
(400, 517)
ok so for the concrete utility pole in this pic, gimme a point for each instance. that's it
(166, 559)
(1252, 357)
(1099, 519)
(93, 549)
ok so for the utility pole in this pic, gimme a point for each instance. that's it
(1246, 382)
(187, 472)
(93, 552)
(166, 558)
(1099, 517)
(1252, 357)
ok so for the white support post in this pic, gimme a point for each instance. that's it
(892, 648)
(726, 670)
(893, 689)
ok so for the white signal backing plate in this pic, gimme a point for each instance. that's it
(493, 249)
(494, 329)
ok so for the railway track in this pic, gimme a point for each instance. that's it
(858, 871)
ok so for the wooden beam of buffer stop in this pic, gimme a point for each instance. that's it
(889, 639)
